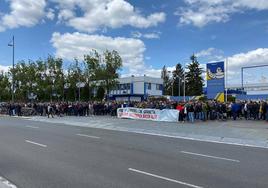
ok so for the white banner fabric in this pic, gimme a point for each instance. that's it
(148, 114)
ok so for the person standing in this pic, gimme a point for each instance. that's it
(49, 110)
(180, 108)
(234, 109)
(190, 110)
(266, 109)
(246, 111)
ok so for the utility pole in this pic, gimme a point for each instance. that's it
(184, 99)
(226, 78)
(13, 66)
(179, 86)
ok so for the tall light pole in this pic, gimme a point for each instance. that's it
(13, 65)
(184, 99)
(179, 88)
(226, 79)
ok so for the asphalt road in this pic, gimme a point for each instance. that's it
(37, 155)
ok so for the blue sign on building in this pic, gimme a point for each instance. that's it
(215, 79)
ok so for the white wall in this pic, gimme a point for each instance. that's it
(138, 83)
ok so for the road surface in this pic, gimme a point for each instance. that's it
(44, 155)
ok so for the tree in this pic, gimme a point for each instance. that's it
(177, 76)
(112, 64)
(5, 87)
(92, 65)
(76, 80)
(47, 80)
(103, 69)
(194, 80)
(24, 79)
(166, 81)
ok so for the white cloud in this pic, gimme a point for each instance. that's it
(202, 12)
(153, 35)
(98, 14)
(23, 13)
(251, 58)
(82, 15)
(211, 54)
(152, 72)
(237, 61)
(4, 68)
(136, 34)
(50, 14)
(76, 45)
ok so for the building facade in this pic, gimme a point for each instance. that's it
(137, 88)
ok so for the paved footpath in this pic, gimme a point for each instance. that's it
(241, 132)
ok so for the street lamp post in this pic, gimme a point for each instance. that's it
(172, 87)
(179, 88)
(184, 83)
(13, 65)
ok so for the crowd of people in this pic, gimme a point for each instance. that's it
(60, 109)
(188, 111)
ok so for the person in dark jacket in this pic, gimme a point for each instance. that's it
(235, 109)
(266, 109)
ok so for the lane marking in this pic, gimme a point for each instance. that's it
(218, 141)
(33, 127)
(88, 136)
(164, 178)
(6, 183)
(210, 156)
(35, 143)
(195, 139)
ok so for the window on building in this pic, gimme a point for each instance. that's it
(159, 87)
(149, 86)
(124, 86)
(128, 86)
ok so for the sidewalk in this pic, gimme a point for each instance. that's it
(241, 132)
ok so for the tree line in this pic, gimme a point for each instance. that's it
(87, 79)
(48, 79)
(174, 81)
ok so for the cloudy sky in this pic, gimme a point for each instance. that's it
(148, 34)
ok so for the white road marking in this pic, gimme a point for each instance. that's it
(210, 156)
(88, 136)
(6, 183)
(164, 178)
(218, 141)
(195, 139)
(33, 127)
(35, 143)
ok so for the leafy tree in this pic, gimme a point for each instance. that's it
(24, 79)
(54, 77)
(194, 80)
(177, 76)
(5, 87)
(112, 63)
(100, 93)
(102, 70)
(92, 69)
(167, 82)
(76, 80)
(47, 80)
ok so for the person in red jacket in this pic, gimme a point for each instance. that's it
(180, 108)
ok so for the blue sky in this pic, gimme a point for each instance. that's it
(149, 34)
